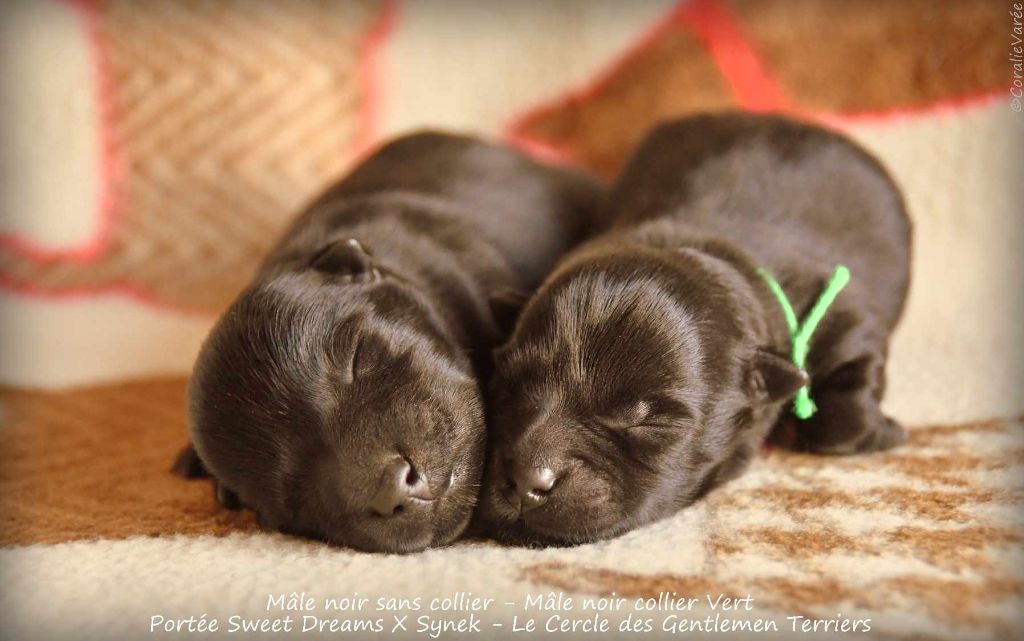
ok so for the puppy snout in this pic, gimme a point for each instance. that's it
(402, 486)
(528, 486)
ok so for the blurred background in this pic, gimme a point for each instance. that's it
(154, 150)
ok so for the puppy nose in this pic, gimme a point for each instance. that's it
(529, 485)
(401, 486)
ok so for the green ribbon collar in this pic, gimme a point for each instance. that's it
(800, 333)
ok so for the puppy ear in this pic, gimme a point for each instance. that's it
(344, 258)
(771, 378)
(505, 306)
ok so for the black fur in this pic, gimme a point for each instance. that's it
(360, 343)
(654, 361)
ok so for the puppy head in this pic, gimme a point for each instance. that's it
(632, 384)
(329, 399)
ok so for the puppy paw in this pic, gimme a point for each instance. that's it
(886, 436)
(853, 432)
(227, 499)
(189, 465)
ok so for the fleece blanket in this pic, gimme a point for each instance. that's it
(153, 150)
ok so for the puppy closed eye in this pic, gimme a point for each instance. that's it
(659, 411)
(630, 415)
(350, 356)
(354, 367)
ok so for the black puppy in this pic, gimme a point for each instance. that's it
(655, 359)
(338, 396)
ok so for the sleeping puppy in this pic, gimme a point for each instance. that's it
(338, 396)
(654, 360)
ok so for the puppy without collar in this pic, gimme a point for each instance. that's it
(338, 397)
(655, 359)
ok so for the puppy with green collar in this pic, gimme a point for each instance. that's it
(751, 267)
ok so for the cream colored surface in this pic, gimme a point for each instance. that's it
(939, 580)
(50, 155)
(76, 341)
(957, 355)
(237, 573)
(478, 72)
